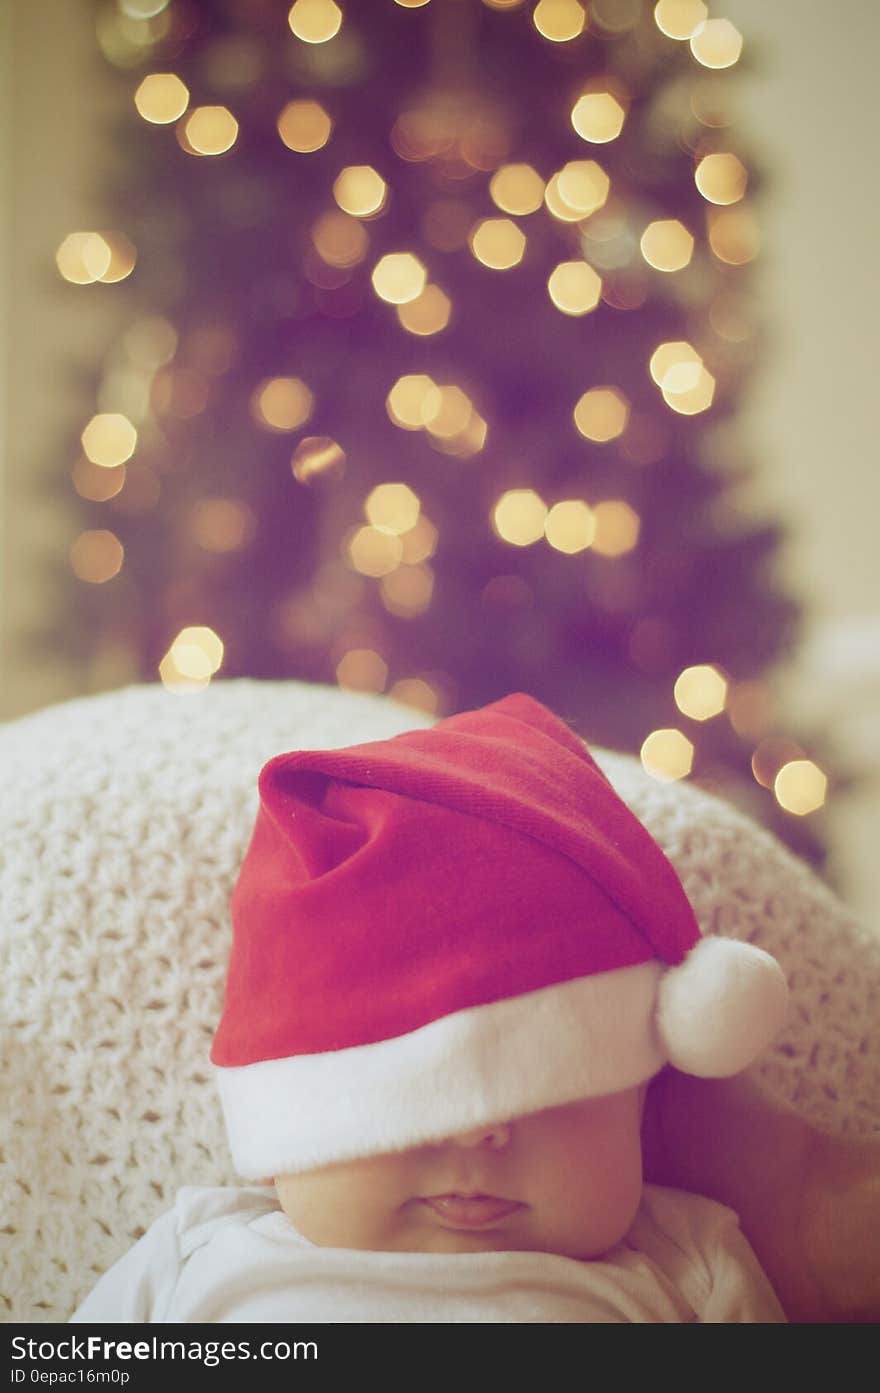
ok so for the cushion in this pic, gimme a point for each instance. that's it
(123, 821)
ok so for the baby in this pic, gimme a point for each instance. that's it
(458, 960)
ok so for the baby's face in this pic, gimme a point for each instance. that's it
(566, 1180)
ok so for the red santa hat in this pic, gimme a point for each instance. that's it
(457, 926)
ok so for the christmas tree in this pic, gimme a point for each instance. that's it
(440, 316)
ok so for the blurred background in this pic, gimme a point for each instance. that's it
(444, 348)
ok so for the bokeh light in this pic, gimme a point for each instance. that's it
(582, 186)
(734, 235)
(415, 691)
(222, 524)
(601, 414)
(317, 457)
(446, 411)
(771, 754)
(360, 190)
(96, 556)
(667, 245)
(109, 439)
(123, 257)
(700, 692)
(315, 21)
(519, 517)
(282, 403)
(161, 98)
(392, 508)
(598, 117)
(667, 755)
(210, 130)
(574, 287)
(304, 126)
(399, 277)
(420, 542)
(407, 592)
(93, 482)
(570, 526)
(668, 359)
(559, 20)
(373, 552)
(191, 661)
(721, 178)
(800, 787)
(83, 257)
(428, 313)
(617, 527)
(405, 402)
(517, 189)
(340, 240)
(498, 243)
(687, 390)
(716, 43)
(678, 19)
(362, 670)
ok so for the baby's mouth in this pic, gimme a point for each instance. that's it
(471, 1211)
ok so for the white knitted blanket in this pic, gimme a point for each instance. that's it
(123, 820)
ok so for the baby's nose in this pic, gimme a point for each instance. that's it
(495, 1134)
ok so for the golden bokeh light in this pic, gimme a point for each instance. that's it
(340, 240)
(582, 186)
(716, 43)
(617, 527)
(317, 457)
(362, 670)
(161, 98)
(197, 652)
(406, 401)
(519, 517)
(415, 691)
(574, 287)
(463, 443)
(688, 390)
(420, 542)
(598, 117)
(211, 130)
(428, 314)
(173, 680)
(399, 277)
(601, 414)
(517, 189)
(374, 553)
(800, 787)
(446, 411)
(771, 754)
(392, 508)
(498, 243)
(222, 524)
(678, 19)
(667, 245)
(282, 403)
(751, 708)
(360, 190)
(721, 178)
(109, 439)
(570, 526)
(734, 235)
(668, 357)
(83, 257)
(315, 21)
(407, 591)
(95, 483)
(304, 126)
(123, 256)
(667, 755)
(700, 692)
(96, 556)
(411, 4)
(559, 20)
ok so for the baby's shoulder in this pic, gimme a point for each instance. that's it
(202, 1210)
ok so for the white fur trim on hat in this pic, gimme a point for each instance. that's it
(587, 1037)
(720, 1008)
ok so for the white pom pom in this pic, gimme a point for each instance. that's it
(720, 1008)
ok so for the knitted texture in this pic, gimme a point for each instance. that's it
(123, 821)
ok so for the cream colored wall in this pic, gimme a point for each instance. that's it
(810, 110)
